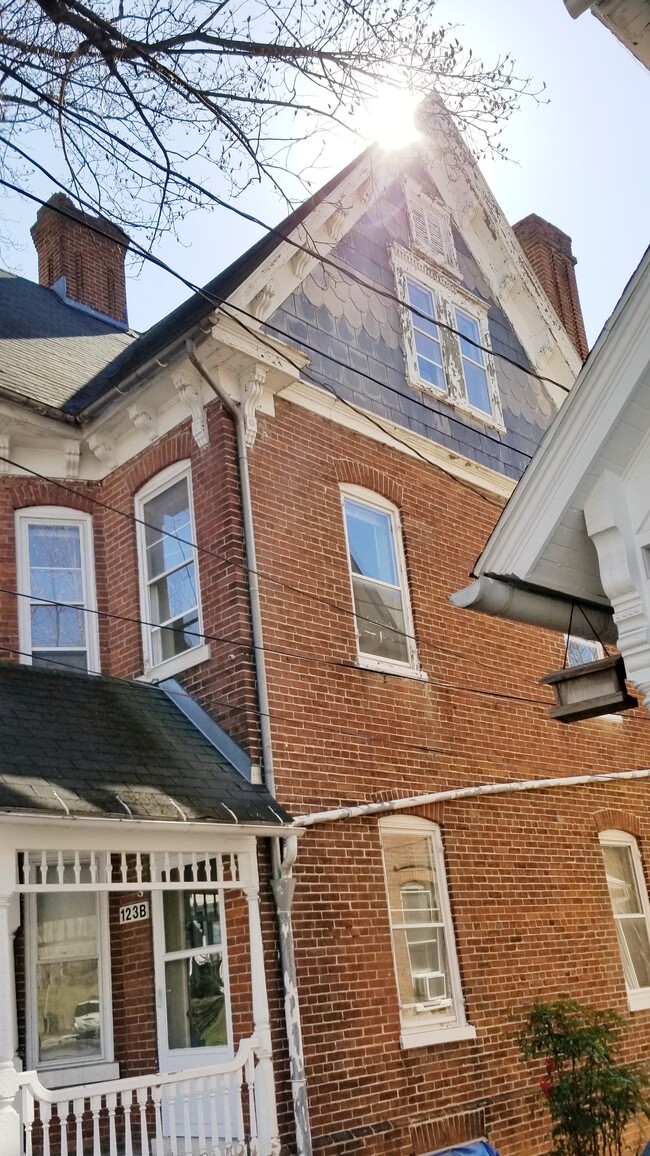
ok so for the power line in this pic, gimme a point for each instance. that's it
(373, 737)
(259, 336)
(87, 497)
(146, 255)
(321, 258)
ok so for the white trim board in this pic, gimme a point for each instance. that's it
(571, 446)
(320, 401)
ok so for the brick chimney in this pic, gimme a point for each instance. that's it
(89, 252)
(549, 252)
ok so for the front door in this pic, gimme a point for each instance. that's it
(191, 993)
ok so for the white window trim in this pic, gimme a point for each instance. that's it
(201, 651)
(447, 296)
(60, 516)
(55, 1074)
(416, 196)
(637, 998)
(430, 1029)
(411, 667)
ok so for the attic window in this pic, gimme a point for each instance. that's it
(430, 228)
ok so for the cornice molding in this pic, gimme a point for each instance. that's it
(321, 402)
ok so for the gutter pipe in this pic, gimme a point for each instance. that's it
(365, 809)
(503, 599)
(282, 881)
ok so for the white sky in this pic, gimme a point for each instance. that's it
(581, 160)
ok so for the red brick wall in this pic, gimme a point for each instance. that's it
(225, 685)
(528, 892)
(527, 886)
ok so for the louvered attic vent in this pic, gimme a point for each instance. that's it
(430, 230)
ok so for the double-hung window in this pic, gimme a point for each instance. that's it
(424, 952)
(446, 338)
(629, 899)
(69, 1022)
(378, 576)
(56, 581)
(170, 598)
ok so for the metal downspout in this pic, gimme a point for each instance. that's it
(282, 882)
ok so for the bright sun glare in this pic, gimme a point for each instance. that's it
(390, 119)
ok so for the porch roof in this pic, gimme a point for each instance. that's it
(91, 746)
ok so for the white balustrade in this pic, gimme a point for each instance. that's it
(210, 1111)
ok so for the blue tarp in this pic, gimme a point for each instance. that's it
(479, 1148)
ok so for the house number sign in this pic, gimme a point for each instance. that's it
(133, 912)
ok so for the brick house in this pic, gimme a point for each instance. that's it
(254, 514)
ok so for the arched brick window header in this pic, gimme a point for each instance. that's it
(611, 819)
(431, 811)
(358, 474)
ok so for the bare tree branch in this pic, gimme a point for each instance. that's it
(146, 97)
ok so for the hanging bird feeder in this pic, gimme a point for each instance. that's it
(589, 689)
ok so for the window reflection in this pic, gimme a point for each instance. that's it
(67, 977)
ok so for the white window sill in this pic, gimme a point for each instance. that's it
(639, 999)
(366, 662)
(420, 1037)
(175, 665)
(468, 410)
(80, 1074)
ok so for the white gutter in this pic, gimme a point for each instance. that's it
(500, 599)
(365, 809)
(282, 882)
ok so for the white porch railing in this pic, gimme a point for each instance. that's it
(209, 1111)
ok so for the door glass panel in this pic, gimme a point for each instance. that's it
(196, 1012)
(196, 1016)
(191, 920)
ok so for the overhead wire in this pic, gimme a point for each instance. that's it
(322, 258)
(212, 299)
(366, 736)
(218, 302)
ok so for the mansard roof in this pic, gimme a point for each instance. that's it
(96, 747)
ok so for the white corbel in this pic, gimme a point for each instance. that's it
(72, 451)
(143, 421)
(252, 385)
(190, 395)
(336, 224)
(507, 282)
(300, 262)
(103, 450)
(261, 301)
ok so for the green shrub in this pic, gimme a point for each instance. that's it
(590, 1096)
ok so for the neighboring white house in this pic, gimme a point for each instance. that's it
(574, 538)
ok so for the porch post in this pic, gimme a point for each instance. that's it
(267, 1118)
(10, 1130)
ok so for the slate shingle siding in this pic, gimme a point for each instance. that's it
(356, 336)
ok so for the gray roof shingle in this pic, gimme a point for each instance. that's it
(49, 350)
(96, 746)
